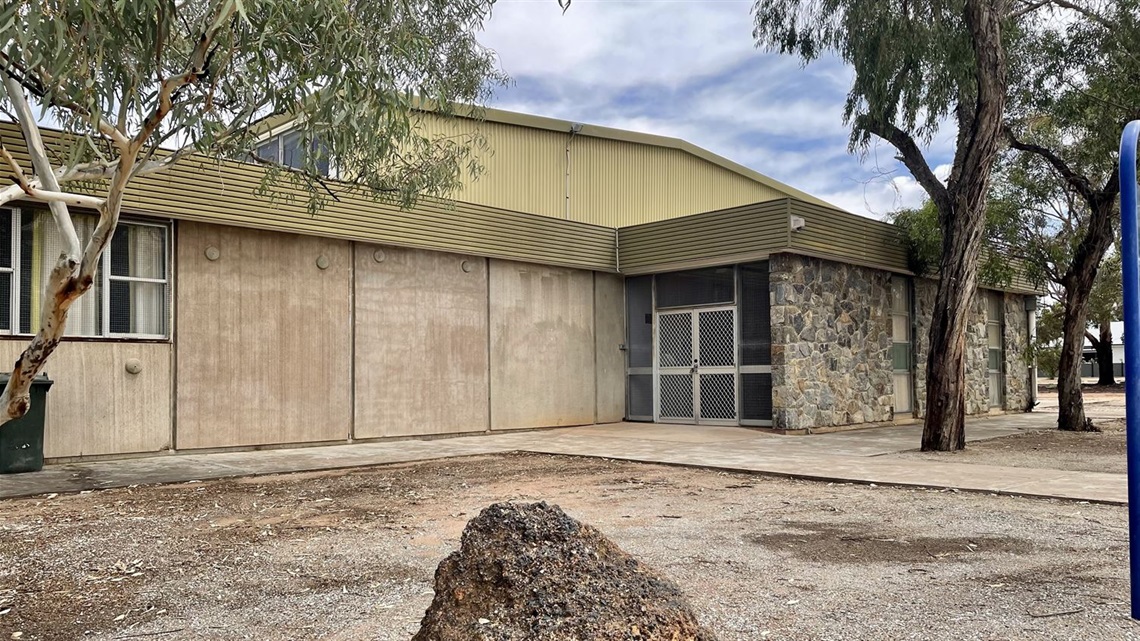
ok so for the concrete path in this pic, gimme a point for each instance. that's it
(845, 456)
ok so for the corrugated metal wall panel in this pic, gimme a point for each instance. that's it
(618, 183)
(612, 182)
(523, 169)
(225, 193)
(844, 236)
(712, 237)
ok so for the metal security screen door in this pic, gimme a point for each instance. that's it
(696, 366)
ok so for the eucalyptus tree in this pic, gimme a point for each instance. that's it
(140, 85)
(922, 66)
(916, 63)
(1077, 82)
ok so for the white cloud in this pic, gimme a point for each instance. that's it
(689, 70)
(616, 43)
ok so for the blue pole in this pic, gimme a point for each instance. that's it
(1130, 260)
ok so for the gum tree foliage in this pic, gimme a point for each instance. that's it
(1076, 83)
(921, 234)
(138, 85)
(918, 63)
(1105, 306)
(1047, 345)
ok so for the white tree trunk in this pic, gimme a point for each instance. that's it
(74, 270)
(60, 293)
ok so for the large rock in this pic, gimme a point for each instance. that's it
(531, 572)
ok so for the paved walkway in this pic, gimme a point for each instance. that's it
(845, 456)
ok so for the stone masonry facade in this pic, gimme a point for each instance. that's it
(977, 374)
(1018, 367)
(977, 359)
(831, 343)
(832, 338)
(1015, 343)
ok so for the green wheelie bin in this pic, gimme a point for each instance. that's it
(22, 440)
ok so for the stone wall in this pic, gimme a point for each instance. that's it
(1018, 384)
(924, 292)
(977, 358)
(831, 342)
(1015, 338)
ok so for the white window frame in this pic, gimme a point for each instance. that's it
(105, 269)
(13, 304)
(106, 278)
(278, 142)
(907, 288)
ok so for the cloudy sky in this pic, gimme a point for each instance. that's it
(689, 69)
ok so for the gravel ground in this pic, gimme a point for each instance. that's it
(1103, 451)
(350, 555)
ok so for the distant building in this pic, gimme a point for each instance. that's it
(1089, 366)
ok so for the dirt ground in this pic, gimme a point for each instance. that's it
(1103, 451)
(350, 555)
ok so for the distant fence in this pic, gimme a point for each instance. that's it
(1089, 369)
(1092, 370)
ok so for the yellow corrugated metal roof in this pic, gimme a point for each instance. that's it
(610, 133)
(617, 177)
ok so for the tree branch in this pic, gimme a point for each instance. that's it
(1075, 180)
(88, 171)
(1086, 12)
(1029, 7)
(17, 72)
(41, 164)
(21, 179)
(108, 221)
(912, 157)
(195, 68)
(1093, 340)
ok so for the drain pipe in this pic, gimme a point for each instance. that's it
(1031, 313)
(617, 249)
(575, 129)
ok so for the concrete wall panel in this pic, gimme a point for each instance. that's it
(421, 343)
(542, 346)
(264, 338)
(609, 326)
(95, 406)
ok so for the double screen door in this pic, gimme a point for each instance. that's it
(697, 367)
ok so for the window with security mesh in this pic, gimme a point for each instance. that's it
(641, 397)
(289, 150)
(994, 349)
(756, 397)
(755, 315)
(903, 343)
(639, 315)
(40, 245)
(694, 287)
(138, 281)
(130, 293)
(7, 269)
